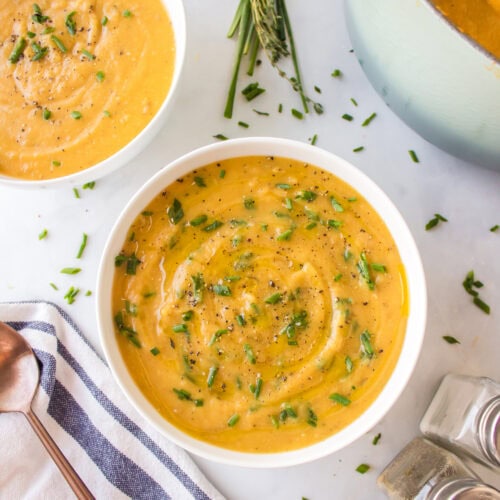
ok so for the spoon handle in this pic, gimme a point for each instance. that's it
(71, 476)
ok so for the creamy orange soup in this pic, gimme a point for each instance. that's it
(79, 79)
(478, 19)
(260, 304)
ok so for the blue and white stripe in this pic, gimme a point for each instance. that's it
(113, 449)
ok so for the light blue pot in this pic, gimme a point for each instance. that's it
(437, 80)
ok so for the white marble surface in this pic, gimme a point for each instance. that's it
(467, 195)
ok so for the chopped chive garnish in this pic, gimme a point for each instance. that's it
(30, 34)
(175, 212)
(88, 293)
(366, 344)
(182, 394)
(132, 263)
(43, 234)
(104, 20)
(481, 304)
(46, 114)
(348, 364)
(127, 13)
(243, 124)
(280, 108)
(18, 50)
(312, 418)
(306, 195)
(233, 420)
(362, 468)
(213, 226)
(222, 290)
(222, 174)
(336, 73)
(76, 115)
(82, 246)
(336, 205)
(257, 387)
(285, 235)
(274, 298)
(106, 113)
(199, 181)
(187, 315)
(376, 439)
(369, 120)
(435, 221)
(200, 219)
(354, 101)
(334, 223)
(450, 339)
(297, 114)
(364, 271)
(180, 328)
(495, 228)
(380, 268)
(261, 113)
(58, 43)
(154, 351)
(358, 149)
(211, 375)
(337, 277)
(221, 137)
(249, 203)
(37, 16)
(252, 90)
(56, 163)
(249, 353)
(413, 156)
(282, 185)
(89, 185)
(70, 23)
(217, 335)
(338, 398)
(71, 294)
(54, 286)
(352, 199)
(39, 51)
(88, 55)
(70, 270)
(240, 319)
(76, 192)
(311, 225)
(347, 117)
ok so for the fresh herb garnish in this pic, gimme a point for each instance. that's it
(435, 221)
(362, 468)
(274, 298)
(175, 212)
(70, 270)
(252, 90)
(82, 246)
(39, 51)
(312, 418)
(37, 16)
(212, 372)
(221, 137)
(336, 205)
(88, 55)
(197, 221)
(217, 335)
(43, 234)
(213, 226)
(376, 439)
(413, 156)
(495, 228)
(76, 115)
(250, 354)
(348, 117)
(358, 149)
(336, 73)
(233, 420)
(71, 295)
(369, 120)
(364, 271)
(348, 364)
(222, 290)
(18, 50)
(70, 23)
(154, 351)
(450, 339)
(338, 398)
(59, 44)
(366, 344)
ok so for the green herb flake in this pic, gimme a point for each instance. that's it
(88, 55)
(222, 174)
(364, 271)
(314, 140)
(435, 221)
(354, 101)
(362, 468)
(495, 228)
(306, 195)
(180, 328)
(30, 34)
(450, 339)
(76, 115)
(213, 226)
(336, 205)
(348, 364)
(376, 439)
(285, 235)
(104, 20)
(243, 124)
(337, 73)
(43, 234)
(212, 372)
(154, 351)
(89, 185)
(70, 23)
(280, 108)
(175, 212)
(274, 298)
(222, 290)
(82, 246)
(39, 51)
(199, 181)
(347, 117)
(56, 163)
(70, 270)
(413, 156)
(380, 268)
(366, 344)
(233, 420)
(197, 221)
(249, 203)
(369, 120)
(71, 295)
(358, 149)
(312, 418)
(481, 304)
(37, 16)
(252, 90)
(54, 286)
(221, 137)
(127, 13)
(338, 398)
(297, 114)
(217, 335)
(59, 44)
(261, 113)
(249, 354)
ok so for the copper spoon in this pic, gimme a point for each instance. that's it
(19, 376)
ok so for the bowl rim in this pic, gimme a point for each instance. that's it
(262, 146)
(177, 16)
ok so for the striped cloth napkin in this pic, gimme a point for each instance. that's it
(113, 449)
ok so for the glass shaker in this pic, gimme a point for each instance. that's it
(425, 471)
(464, 416)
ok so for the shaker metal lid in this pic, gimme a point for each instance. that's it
(463, 489)
(489, 430)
